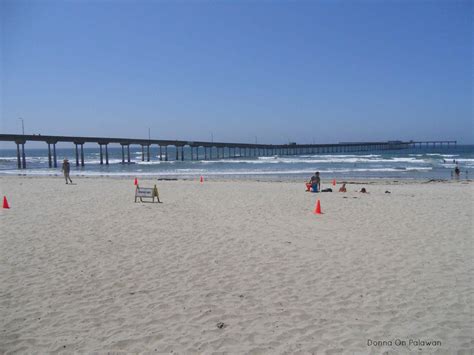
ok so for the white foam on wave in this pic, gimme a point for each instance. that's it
(339, 155)
(350, 155)
(151, 162)
(298, 160)
(354, 160)
(97, 162)
(443, 155)
(418, 168)
(30, 159)
(241, 161)
(268, 158)
(8, 158)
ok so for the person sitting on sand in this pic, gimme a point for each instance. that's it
(66, 170)
(343, 188)
(363, 190)
(310, 183)
(315, 182)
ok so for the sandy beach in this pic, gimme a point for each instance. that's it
(235, 267)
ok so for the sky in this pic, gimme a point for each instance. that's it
(239, 71)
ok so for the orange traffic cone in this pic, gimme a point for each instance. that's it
(5, 202)
(136, 182)
(317, 210)
(201, 180)
(333, 182)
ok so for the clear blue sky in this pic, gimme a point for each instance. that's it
(326, 71)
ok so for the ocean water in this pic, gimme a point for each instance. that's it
(424, 163)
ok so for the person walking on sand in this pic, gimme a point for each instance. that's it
(66, 170)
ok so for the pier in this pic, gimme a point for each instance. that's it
(199, 150)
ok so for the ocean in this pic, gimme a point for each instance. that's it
(418, 163)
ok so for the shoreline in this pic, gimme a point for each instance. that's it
(223, 178)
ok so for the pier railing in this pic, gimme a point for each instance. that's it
(196, 147)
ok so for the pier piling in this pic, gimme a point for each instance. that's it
(82, 154)
(55, 158)
(50, 161)
(101, 155)
(18, 157)
(77, 154)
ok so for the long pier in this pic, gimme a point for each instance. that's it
(206, 148)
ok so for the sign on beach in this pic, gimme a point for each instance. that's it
(147, 192)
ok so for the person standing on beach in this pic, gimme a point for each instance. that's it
(66, 170)
(457, 172)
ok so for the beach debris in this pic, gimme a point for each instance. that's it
(220, 325)
(317, 210)
(434, 180)
(5, 202)
(387, 192)
(360, 182)
(241, 296)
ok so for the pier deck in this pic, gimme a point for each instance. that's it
(244, 149)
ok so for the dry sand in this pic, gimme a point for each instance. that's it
(85, 269)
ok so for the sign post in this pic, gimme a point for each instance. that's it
(147, 192)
